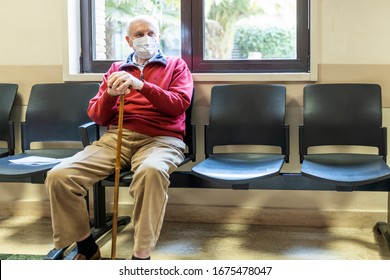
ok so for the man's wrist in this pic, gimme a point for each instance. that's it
(137, 84)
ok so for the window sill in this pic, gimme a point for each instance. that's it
(253, 77)
(217, 77)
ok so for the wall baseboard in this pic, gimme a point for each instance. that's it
(227, 215)
(274, 216)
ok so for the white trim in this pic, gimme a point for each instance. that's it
(251, 77)
(72, 41)
(72, 49)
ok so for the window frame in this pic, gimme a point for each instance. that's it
(300, 64)
(307, 65)
(87, 63)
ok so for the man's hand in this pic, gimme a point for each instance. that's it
(121, 82)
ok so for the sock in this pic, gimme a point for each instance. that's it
(141, 259)
(87, 247)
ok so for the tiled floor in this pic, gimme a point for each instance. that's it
(23, 236)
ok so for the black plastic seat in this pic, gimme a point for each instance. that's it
(54, 113)
(251, 114)
(343, 115)
(7, 98)
(346, 169)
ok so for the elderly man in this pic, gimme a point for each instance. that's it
(158, 90)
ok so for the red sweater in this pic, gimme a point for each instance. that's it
(156, 110)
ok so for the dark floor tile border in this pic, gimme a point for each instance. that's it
(20, 257)
(4, 256)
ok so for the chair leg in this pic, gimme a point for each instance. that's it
(99, 206)
(383, 227)
(102, 220)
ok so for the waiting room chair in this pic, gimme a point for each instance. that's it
(7, 98)
(345, 115)
(50, 130)
(248, 114)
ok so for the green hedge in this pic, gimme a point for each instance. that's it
(271, 42)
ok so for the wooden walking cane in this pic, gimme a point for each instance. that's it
(117, 173)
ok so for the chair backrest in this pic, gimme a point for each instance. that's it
(247, 114)
(342, 114)
(7, 97)
(55, 111)
(189, 138)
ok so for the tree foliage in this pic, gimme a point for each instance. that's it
(221, 16)
(225, 26)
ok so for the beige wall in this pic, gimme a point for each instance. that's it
(352, 46)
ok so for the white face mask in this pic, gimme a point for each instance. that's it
(145, 47)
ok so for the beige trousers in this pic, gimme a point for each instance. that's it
(152, 159)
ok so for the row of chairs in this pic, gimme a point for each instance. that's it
(334, 114)
(240, 115)
(254, 115)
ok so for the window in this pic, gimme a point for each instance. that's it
(212, 36)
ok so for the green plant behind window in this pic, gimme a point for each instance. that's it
(272, 43)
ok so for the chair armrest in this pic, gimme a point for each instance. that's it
(287, 143)
(11, 142)
(89, 132)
